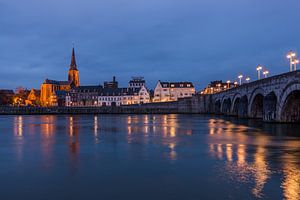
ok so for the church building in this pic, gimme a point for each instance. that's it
(49, 87)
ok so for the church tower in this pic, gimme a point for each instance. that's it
(73, 71)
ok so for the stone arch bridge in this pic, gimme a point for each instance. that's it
(273, 99)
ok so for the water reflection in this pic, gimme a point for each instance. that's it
(291, 180)
(74, 136)
(250, 157)
(244, 166)
(18, 126)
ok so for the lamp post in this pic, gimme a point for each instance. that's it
(258, 68)
(228, 84)
(291, 55)
(295, 62)
(240, 77)
(248, 79)
(266, 72)
(235, 83)
(219, 87)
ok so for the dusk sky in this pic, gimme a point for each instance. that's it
(170, 40)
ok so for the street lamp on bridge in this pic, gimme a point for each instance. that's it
(248, 79)
(295, 62)
(258, 68)
(240, 77)
(265, 73)
(291, 56)
(228, 84)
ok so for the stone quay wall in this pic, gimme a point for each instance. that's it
(195, 104)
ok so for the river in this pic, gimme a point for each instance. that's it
(147, 157)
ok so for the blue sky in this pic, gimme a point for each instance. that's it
(170, 40)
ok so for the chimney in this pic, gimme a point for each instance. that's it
(114, 79)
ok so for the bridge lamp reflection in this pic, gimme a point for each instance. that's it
(291, 55)
(258, 68)
(265, 73)
(240, 77)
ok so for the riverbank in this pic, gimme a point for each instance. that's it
(185, 105)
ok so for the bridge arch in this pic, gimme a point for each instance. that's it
(289, 103)
(256, 103)
(243, 110)
(270, 107)
(226, 106)
(217, 106)
(236, 102)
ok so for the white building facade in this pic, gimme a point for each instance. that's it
(172, 91)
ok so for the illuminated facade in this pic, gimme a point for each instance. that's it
(33, 97)
(172, 91)
(217, 86)
(109, 95)
(49, 87)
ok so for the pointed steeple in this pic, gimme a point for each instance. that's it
(73, 65)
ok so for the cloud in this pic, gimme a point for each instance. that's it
(173, 40)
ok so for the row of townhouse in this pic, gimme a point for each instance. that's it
(100, 96)
(110, 94)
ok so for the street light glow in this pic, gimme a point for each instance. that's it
(293, 61)
(240, 77)
(258, 68)
(266, 73)
(248, 79)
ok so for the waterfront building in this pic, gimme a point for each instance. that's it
(83, 96)
(109, 95)
(217, 86)
(172, 91)
(33, 98)
(111, 84)
(137, 82)
(49, 87)
(6, 97)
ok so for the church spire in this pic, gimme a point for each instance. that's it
(73, 60)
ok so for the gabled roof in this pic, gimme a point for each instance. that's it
(7, 92)
(177, 84)
(54, 82)
(88, 88)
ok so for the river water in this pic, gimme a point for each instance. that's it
(147, 157)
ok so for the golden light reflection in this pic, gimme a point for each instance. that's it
(74, 136)
(261, 171)
(241, 154)
(220, 151)
(71, 126)
(95, 125)
(18, 128)
(173, 154)
(291, 181)
(229, 152)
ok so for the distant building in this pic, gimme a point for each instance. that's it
(111, 84)
(172, 91)
(137, 82)
(83, 96)
(109, 95)
(6, 97)
(217, 86)
(33, 97)
(49, 87)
